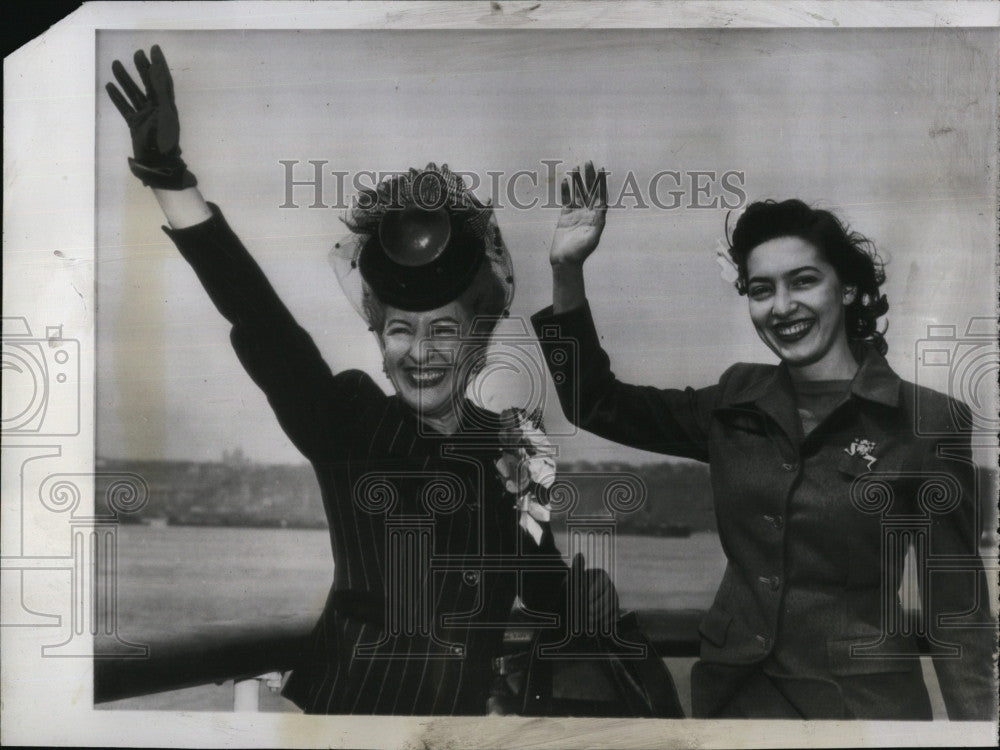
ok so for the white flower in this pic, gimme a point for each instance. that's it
(729, 271)
(533, 514)
(532, 526)
(528, 503)
(527, 460)
(513, 470)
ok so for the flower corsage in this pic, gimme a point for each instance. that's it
(527, 467)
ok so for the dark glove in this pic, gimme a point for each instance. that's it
(600, 599)
(153, 122)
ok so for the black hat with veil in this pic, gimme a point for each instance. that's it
(418, 240)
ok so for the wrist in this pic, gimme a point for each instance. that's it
(565, 263)
(568, 289)
(167, 173)
(567, 272)
(183, 208)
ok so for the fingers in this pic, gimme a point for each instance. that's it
(577, 188)
(160, 77)
(132, 91)
(587, 191)
(142, 65)
(118, 99)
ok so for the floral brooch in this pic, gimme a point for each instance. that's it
(527, 467)
(863, 448)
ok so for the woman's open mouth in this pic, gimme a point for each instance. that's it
(793, 330)
(426, 377)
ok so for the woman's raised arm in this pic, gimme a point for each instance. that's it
(672, 422)
(312, 405)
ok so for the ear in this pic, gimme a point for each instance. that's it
(850, 294)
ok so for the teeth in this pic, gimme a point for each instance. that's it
(427, 376)
(793, 329)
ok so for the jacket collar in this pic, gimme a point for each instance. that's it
(875, 380)
(773, 393)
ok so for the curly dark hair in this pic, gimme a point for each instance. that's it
(852, 255)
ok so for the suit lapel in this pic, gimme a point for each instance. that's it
(773, 396)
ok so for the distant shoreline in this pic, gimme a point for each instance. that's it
(681, 531)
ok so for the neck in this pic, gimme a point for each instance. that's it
(445, 422)
(838, 364)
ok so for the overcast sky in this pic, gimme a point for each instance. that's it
(893, 129)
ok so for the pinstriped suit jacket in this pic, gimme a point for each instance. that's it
(427, 549)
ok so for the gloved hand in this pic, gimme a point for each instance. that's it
(153, 122)
(600, 599)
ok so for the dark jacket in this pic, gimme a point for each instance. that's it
(814, 538)
(428, 554)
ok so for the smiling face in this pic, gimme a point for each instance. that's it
(797, 306)
(422, 352)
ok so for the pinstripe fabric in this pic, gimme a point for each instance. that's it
(420, 528)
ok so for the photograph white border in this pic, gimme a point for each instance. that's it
(49, 226)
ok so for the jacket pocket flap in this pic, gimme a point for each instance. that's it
(742, 419)
(715, 626)
(852, 465)
(856, 656)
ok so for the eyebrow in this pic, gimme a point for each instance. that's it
(436, 321)
(794, 271)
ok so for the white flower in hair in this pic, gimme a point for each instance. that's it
(729, 270)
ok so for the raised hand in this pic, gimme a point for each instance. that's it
(152, 120)
(585, 204)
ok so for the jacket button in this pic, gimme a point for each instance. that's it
(471, 577)
(772, 582)
(790, 467)
(776, 521)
